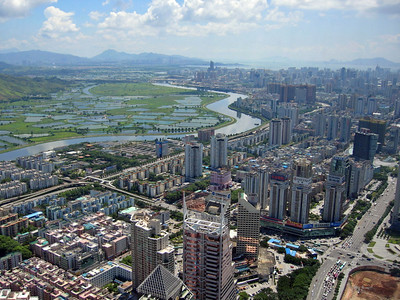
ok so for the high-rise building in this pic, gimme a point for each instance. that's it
(342, 102)
(335, 189)
(345, 129)
(332, 128)
(365, 144)
(193, 161)
(334, 198)
(375, 126)
(320, 124)
(279, 194)
(207, 256)
(263, 179)
(255, 185)
(393, 140)
(248, 228)
(286, 130)
(204, 135)
(340, 166)
(371, 107)
(162, 148)
(275, 132)
(219, 151)
(395, 216)
(289, 110)
(359, 109)
(301, 189)
(150, 247)
(397, 109)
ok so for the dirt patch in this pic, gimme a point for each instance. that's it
(369, 285)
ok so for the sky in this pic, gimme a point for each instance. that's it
(224, 30)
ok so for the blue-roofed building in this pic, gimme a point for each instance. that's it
(274, 241)
(34, 215)
(292, 246)
(290, 252)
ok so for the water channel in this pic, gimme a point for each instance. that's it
(243, 123)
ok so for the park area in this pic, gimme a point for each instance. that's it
(370, 285)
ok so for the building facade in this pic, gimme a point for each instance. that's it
(300, 191)
(219, 151)
(207, 256)
(150, 247)
(193, 161)
(248, 228)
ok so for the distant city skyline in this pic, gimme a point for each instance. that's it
(225, 30)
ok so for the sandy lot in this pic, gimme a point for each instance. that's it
(369, 285)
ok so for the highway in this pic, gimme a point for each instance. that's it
(351, 250)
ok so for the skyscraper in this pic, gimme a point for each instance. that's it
(301, 189)
(365, 144)
(333, 126)
(371, 107)
(255, 185)
(395, 217)
(345, 128)
(161, 148)
(207, 256)
(279, 193)
(275, 132)
(248, 228)
(193, 160)
(320, 124)
(219, 151)
(335, 189)
(340, 166)
(375, 126)
(150, 247)
(286, 130)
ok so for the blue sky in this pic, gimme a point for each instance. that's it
(224, 30)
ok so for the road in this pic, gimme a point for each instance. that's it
(351, 250)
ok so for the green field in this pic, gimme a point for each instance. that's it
(112, 108)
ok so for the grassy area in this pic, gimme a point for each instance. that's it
(89, 115)
(136, 89)
(372, 244)
(13, 88)
(377, 256)
(370, 250)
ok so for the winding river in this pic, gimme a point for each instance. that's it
(243, 123)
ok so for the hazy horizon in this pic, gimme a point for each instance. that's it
(225, 30)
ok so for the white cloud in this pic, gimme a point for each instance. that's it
(379, 6)
(391, 38)
(95, 15)
(277, 19)
(192, 17)
(19, 8)
(58, 23)
(245, 10)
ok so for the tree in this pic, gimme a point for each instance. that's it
(243, 296)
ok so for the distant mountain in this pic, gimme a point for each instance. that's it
(377, 61)
(365, 62)
(41, 58)
(112, 56)
(45, 58)
(147, 58)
